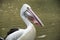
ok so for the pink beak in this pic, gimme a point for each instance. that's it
(35, 19)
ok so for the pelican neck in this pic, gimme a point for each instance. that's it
(27, 22)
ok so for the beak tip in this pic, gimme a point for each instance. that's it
(42, 25)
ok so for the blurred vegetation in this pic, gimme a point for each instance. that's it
(47, 10)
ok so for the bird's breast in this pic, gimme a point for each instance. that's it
(30, 34)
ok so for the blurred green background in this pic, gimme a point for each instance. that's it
(47, 10)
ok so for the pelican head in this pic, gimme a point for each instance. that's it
(27, 12)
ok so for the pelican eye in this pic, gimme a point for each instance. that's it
(28, 8)
(25, 13)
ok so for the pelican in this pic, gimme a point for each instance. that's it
(29, 33)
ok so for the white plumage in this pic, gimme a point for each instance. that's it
(29, 33)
